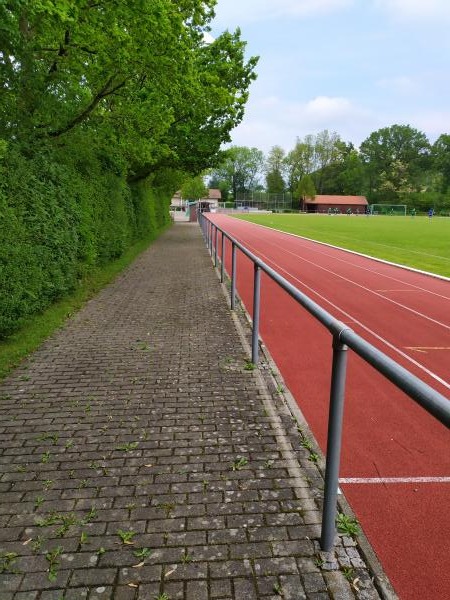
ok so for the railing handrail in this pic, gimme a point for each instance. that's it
(429, 398)
(343, 338)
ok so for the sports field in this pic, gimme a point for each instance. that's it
(417, 242)
(395, 464)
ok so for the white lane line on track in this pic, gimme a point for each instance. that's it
(363, 287)
(352, 318)
(372, 258)
(394, 480)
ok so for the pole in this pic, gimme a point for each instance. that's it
(233, 276)
(222, 260)
(335, 419)
(256, 307)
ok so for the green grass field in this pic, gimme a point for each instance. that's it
(417, 242)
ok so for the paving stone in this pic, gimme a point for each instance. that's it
(130, 418)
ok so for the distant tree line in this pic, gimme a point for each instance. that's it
(395, 164)
(106, 108)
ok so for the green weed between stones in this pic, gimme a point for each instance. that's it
(39, 500)
(83, 538)
(52, 557)
(347, 525)
(128, 447)
(349, 573)
(7, 560)
(142, 553)
(43, 437)
(278, 590)
(126, 536)
(168, 507)
(239, 463)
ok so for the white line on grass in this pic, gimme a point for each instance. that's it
(375, 258)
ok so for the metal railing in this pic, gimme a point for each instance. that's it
(343, 339)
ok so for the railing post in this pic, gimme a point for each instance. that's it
(256, 307)
(216, 241)
(222, 260)
(210, 237)
(335, 419)
(233, 276)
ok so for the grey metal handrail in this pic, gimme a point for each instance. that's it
(343, 338)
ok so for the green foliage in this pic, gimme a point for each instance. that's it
(306, 187)
(58, 219)
(275, 182)
(347, 525)
(239, 169)
(416, 242)
(194, 189)
(103, 114)
(441, 157)
(394, 159)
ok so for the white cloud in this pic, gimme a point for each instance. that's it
(272, 121)
(327, 108)
(416, 10)
(231, 11)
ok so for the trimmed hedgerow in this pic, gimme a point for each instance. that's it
(59, 216)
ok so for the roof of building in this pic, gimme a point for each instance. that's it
(328, 199)
(214, 194)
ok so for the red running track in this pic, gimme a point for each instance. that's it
(386, 435)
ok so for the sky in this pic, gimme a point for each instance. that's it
(349, 66)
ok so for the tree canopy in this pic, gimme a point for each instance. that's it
(239, 170)
(395, 164)
(135, 78)
(106, 108)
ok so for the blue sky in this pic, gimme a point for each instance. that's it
(350, 66)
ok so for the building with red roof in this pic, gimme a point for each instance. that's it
(325, 203)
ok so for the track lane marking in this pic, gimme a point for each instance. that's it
(424, 349)
(359, 323)
(417, 313)
(372, 480)
(373, 258)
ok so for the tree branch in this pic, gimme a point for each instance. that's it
(105, 91)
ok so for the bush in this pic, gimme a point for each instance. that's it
(59, 216)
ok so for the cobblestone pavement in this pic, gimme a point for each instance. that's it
(141, 460)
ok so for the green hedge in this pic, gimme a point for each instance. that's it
(59, 216)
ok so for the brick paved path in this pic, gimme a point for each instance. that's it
(140, 460)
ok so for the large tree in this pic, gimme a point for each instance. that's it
(275, 183)
(441, 160)
(299, 162)
(345, 174)
(194, 188)
(134, 77)
(305, 189)
(396, 157)
(327, 151)
(240, 169)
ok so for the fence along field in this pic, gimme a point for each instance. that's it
(418, 242)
